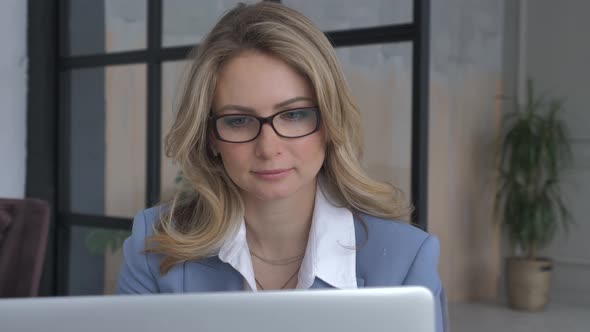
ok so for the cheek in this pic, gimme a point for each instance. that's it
(313, 150)
(234, 156)
(318, 141)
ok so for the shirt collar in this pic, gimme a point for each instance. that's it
(330, 254)
(236, 253)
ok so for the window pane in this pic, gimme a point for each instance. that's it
(95, 258)
(173, 74)
(102, 26)
(380, 77)
(186, 22)
(331, 15)
(107, 143)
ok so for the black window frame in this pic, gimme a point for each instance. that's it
(47, 109)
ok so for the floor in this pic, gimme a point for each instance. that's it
(484, 317)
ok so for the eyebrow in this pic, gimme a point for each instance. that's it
(277, 106)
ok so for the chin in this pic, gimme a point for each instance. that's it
(274, 190)
(267, 193)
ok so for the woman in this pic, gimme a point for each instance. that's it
(269, 142)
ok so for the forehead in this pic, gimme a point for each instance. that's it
(259, 81)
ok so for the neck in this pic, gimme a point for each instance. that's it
(280, 229)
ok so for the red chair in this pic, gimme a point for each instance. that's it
(24, 225)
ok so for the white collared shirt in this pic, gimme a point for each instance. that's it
(329, 256)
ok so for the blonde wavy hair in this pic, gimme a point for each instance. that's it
(197, 220)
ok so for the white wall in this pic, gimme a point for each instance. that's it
(473, 61)
(13, 105)
(558, 56)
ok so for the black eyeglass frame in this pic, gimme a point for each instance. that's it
(263, 120)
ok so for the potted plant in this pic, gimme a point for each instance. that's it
(533, 152)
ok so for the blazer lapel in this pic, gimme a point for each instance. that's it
(360, 282)
(319, 283)
(211, 275)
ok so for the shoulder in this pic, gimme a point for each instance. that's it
(151, 215)
(392, 248)
(139, 273)
(145, 220)
(389, 231)
(143, 226)
(396, 253)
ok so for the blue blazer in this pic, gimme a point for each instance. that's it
(395, 254)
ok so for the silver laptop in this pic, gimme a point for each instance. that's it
(367, 309)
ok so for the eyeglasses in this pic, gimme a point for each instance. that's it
(241, 128)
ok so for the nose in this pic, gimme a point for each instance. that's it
(267, 143)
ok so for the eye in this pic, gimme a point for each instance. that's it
(295, 115)
(237, 121)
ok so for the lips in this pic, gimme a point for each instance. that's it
(276, 174)
(272, 171)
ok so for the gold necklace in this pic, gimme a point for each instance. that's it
(285, 261)
(283, 287)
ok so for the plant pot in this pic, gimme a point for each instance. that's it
(528, 283)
